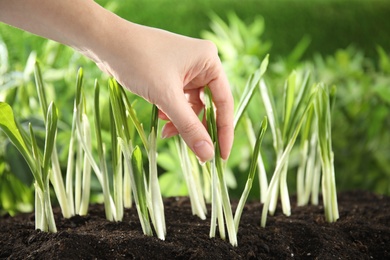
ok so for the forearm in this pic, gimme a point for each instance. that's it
(81, 24)
(167, 69)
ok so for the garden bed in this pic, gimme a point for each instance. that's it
(362, 232)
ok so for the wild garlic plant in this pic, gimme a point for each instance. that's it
(73, 195)
(221, 211)
(146, 190)
(38, 162)
(297, 102)
(241, 115)
(66, 203)
(193, 180)
(242, 44)
(306, 114)
(129, 178)
(323, 112)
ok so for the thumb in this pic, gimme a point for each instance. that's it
(190, 128)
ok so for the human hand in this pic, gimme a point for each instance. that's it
(171, 71)
(166, 69)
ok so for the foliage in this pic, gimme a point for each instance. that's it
(361, 117)
(362, 96)
(360, 108)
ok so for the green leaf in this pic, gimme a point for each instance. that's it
(300, 101)
(51, 130)
(9, 126)
(36, 155)
(133, 116)
(251, 175)
(137, 163)
(384, 60)
(249, 90)
(79, 84)
(289, 98)
(256, 150)
(119, 107)
(40, 89)
(138, 170)
(169, 162)
(154, 123)
(97, 119)
(383, 91)
(272, 116)
(212, 128)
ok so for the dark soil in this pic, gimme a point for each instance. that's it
(362, 232)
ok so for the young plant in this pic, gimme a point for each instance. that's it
(252, 171)
(192, 179)
(39, 164)
(309, 168)
(221, 208)
(241, 46)
(245, 99)
(66, 202)
(322, 110)
(156, 207)
(295, 108)
(112, 212)
(82, 175)
(146, 191)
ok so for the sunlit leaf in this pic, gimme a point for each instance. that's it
(9, 126)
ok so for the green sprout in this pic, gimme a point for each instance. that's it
(39, 164)
(64, 200)
(295, 108)
(329, 194)
(221, 208)
(146, 191)
(252, 171)
(192, 179)
(305, 115)
(242, 106)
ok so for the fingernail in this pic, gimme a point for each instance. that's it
(204, 151)
(167, 132)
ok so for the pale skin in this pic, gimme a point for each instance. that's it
(166, 69)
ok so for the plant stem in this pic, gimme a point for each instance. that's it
(196, 198)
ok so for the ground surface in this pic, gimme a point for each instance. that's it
(362, 232)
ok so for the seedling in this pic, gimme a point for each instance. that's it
(322, 110)
(245, 99)
(38, 163)
(146, 191)
(221, 209)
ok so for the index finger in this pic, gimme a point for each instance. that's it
(224, 105)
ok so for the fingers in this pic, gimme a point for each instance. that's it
(162, 116)
(193, 97)
(186, 122)
(224, 104)
(169, 130)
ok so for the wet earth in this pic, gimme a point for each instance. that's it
(362, 232)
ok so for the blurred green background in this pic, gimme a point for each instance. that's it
(342, 42)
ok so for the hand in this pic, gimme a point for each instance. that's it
(166, 69)
(171, 71)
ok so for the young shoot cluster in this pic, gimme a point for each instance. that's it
(129, 180)
(305, 116)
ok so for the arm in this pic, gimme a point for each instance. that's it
(166, 69)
